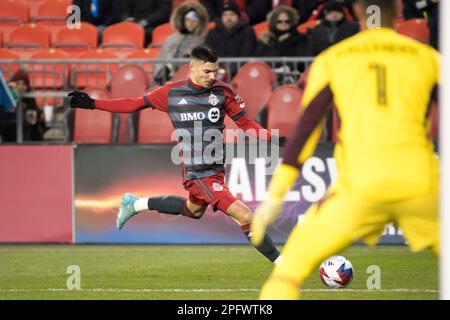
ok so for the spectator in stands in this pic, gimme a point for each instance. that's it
(191, 22)
(332, 29)
(214, 7)
(282, 39)
(314, 9)
(424, 9)
(100, 13)
(33, 117)
(148, 13)
(232, 37)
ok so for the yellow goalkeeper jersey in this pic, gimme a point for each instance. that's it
(381, 84)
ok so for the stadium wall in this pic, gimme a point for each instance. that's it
(36, 194)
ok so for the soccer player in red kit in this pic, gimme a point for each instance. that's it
(196, 106)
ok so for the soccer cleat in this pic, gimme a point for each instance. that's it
(126, 210)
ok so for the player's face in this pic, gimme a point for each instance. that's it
(203, 73)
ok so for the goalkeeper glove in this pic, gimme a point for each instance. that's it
(81, 100)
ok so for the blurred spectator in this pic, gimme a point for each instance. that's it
(214, 7)
(232, 37)
(332, 29)
(314, 9)
(282, 39)
(33, 117)
(148, 13)
(424, 9)
(190, 20)
(100, 13)
(257, 10)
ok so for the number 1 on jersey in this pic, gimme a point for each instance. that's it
(380, 71)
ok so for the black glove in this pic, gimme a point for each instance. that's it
(81, 100)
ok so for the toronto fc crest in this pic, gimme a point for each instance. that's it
(213, 100)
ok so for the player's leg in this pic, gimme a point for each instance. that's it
(327, 229)
(243, 217)
(418, 220)
(173, 205)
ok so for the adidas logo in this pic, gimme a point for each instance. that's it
(182, 101)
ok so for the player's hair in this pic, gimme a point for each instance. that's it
(204, 53)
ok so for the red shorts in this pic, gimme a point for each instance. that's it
(210, 191)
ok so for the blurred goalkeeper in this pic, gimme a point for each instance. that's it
(381, 84)
(197, 108)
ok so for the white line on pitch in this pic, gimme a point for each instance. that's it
(209, 290)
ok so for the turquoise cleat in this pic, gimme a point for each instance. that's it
(126, 210)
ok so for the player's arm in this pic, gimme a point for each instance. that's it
(301, 145)
(156, 99)
(236, 109)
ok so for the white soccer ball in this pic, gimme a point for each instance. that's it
(336, 272)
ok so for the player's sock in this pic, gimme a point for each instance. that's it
(267, 248)
(173, 205)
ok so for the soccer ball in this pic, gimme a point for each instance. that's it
(336, 272)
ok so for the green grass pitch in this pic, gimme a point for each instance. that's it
(197, 272)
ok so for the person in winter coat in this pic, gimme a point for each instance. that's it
(191, 22)
(333, 28)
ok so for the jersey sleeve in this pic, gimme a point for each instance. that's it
(314, 104)
(158, 98)
(235, 107)
(155, 99)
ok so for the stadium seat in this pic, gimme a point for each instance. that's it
(93, 74)
(77, 41)
(34, 5)
(145, 54)
(52, 14)
(123, 38)
(306, 26)
(28, 39)
(254, 83)
(8, 69)
(260, 28)
(14, 12)
(176, 3)
(154, 127)
(416, 29)
(182, 73)
(160, 33)
(283, 108)
(1, 38)
(128, 82)
(93, 126)
(302, 79)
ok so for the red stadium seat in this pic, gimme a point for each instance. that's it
(260, 28)
(8, 69)
(77, 41)
(283, 108)
(93, 126)
(128, 82)
(254, 83)
(182, 73)
(98, 93)
(28, 39)
(1, 38)
(304, 27)
(160, 33)
(34, 6)
(52, 14)
(416, 29)
(93, 74)
(123, 38)
(151, 53)
(154, 127)
(13, 12)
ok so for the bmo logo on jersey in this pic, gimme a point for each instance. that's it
(195, 116)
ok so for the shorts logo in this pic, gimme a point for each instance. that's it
(217, 187)
(213, 100)
(214, 115)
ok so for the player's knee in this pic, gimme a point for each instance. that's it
(197, 214)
